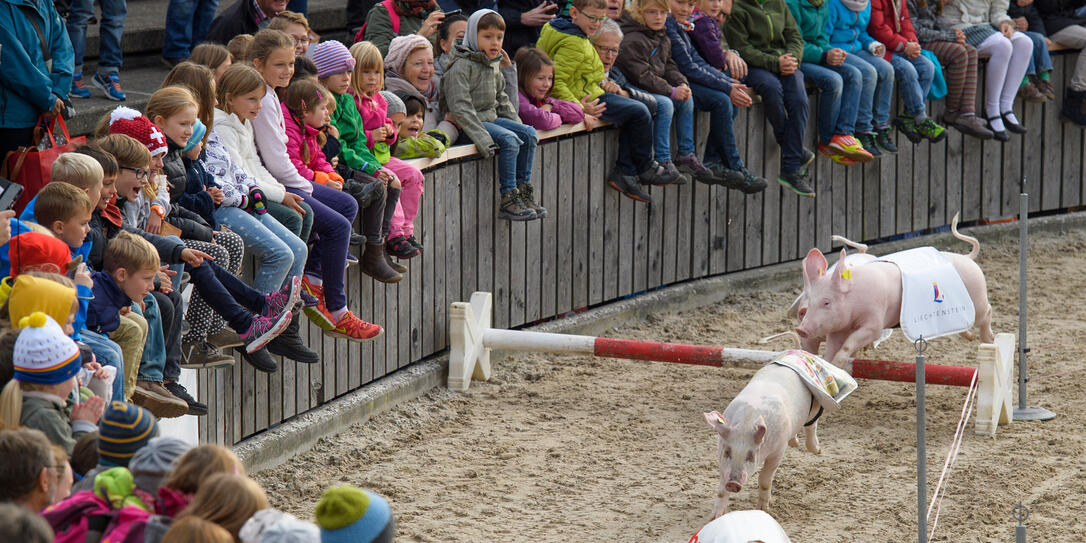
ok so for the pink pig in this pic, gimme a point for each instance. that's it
(757, 428)
(851, 313)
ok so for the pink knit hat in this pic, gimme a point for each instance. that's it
(331, 57)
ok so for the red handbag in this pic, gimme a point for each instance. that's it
(32, 166)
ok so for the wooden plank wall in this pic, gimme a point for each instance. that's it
(597, 246)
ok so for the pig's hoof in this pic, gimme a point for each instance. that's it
(793, 442)
(816, 450)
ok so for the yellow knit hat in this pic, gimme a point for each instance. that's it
(32, 294)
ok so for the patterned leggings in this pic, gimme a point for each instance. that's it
(228, 251)
(961, 74)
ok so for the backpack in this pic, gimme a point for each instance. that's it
(86, 518)
(390, 5)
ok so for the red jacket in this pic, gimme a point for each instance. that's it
(891, 26)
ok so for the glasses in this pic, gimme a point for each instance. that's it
(609, 51)
(140, 173)
(301, 40)
(592, 19)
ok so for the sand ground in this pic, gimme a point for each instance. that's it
(558, 449)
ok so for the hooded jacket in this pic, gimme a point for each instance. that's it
(847, 29)
(926, 25)
(236, 136)
(578, 70)
(36, 88)
(562, 111)
(302, 139)
(645, 57)
(104, 316)
(353, 152)
(890, 25)
(811, 16)
(691, 64)
(707, 36)
(762, 31)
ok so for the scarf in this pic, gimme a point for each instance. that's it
(855, 5)
(471, 36)
(896, 6)
(415, 8)
(112, 213)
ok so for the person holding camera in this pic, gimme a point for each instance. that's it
(523, 20)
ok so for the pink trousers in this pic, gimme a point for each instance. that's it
(403, 220)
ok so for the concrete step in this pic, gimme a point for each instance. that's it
(145, 25)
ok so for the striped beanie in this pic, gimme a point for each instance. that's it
(347, 514)
(43, 354)
(130, 122)
(331, 57)
(198, 131)
(124, 429)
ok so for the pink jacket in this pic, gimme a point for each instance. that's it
(374, 112)
(295, 137)
(562, 111)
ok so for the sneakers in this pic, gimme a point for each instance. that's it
(283, 300)
(308, 300)
(317, 313)
(418, 245)
(195, 408)
(357, 240)
(1030, 93)
(203, 355)
(111, 85)
(808, 158)
(264, 329)
(850, 148)
(1074, 106)
(512, 208)
(868, 141)
(79, 90)
(798, 183)
(931, 130)
(690, 164)
(835, 155)
(355, 329)
(908, 128)
(673, 170)
(225, 338)
(968, 124)
(882, 138)
(399, 247)
(752, 183)
(527, 197)
(156, 399)
(657, 174)
(260, 360)
(629, 186)
(289, 345)
(741, 179)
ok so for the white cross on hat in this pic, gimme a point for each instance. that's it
(157, 136)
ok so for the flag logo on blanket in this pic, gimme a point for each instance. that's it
(938, 294)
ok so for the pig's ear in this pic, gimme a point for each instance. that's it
(759, 430)
(814, 266)
(842, 274)
(716, 420)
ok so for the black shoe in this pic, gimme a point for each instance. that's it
(999, 135)
(869, 144)
(798, 183)
(658, 175)
(1011, 125)
(260, 359)
(399, 247)
(628, 185)
(195, 408)
(358, 240)
(808, 158)
(417, 244)
(290, 345)
(882, 139)
(752, 184)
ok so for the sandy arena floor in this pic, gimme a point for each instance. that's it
(560, 449)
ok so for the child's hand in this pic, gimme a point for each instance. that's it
(102, 373)
(592, 107)
(165, 284)
(546, 107)
(154, 224)
(959, 35)
(5, 225)
(591, 122)
(740, 96)
(682, 92)
(391, 130)
(195, 258)
(216, 195)
(90, 410)
(788, 64)
(83, 276)
(333, 131)
(835, 56)
(124, 311)
(912, 49)
(380, 134)
(334, 185)
(611, 87)
(506, 61)
(92, 366)
(292, 200)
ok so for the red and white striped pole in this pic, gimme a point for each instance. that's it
(473, 339)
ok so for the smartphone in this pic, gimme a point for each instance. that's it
(9, 194)
(453, 12)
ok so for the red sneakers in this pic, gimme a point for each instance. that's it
(355, 329)
(319, 314)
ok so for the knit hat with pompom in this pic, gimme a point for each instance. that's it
(43, 354)
(130, 122)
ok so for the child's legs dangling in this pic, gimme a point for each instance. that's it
(998, 48)
(661, 128)
(526, 152)
(684, 125)
(865, 101)
(884, 89)
(1021, 53)
(200, 316)
(830, 87)
(508, 146)
(909, 85)
(331, 209)
(960, 73)
(411, 190)
(720, 147)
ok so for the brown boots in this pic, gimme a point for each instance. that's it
(375, 264)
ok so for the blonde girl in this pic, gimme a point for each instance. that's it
(216, 57)
(367, 80)
(227, 500)
(272, 54)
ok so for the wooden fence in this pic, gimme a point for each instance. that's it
(597, 246)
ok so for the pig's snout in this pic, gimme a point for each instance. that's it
(733, 486)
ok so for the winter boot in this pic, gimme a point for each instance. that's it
(375, 266)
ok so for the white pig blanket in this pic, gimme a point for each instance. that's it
(827, 383)
(934, 300)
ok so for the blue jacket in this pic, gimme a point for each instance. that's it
(847, 29)
(105, 309)
(83, 250)
(28, 88)
(691, 63)
(196, 199)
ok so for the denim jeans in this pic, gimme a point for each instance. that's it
(187, 22)
(170, 307)
(914, 76)
(107, 353)
(878, 116)
(280, 254)
(333, 213)
(720, 147)
(227, 295)
(682, 112)
(1040, 62)
(785, 101)
(634, 134)
(516, 143)
(154, 350)
(300, 225)
(110, 30)
(839, 97)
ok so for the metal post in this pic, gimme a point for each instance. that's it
(1020, 513)
(921, 452)
(1023, 411)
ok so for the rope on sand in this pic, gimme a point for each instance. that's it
(951, 457)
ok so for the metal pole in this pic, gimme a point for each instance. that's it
(921, 452)
(1024, 411)
(1020, 513)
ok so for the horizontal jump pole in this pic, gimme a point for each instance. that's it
(905, 372)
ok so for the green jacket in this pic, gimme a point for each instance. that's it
(578, 70)
(352, 137)
(811, 19)
(424, 146)
(379, 27)
(48, 414)
(473, 91)
(763, 30)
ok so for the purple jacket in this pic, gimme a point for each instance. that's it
(707, 38)
(562, 111)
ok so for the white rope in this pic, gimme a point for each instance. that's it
(952, 456)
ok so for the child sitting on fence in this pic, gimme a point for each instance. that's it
(412, 141)
(538, 109)
(367, 79)
(473, 92)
